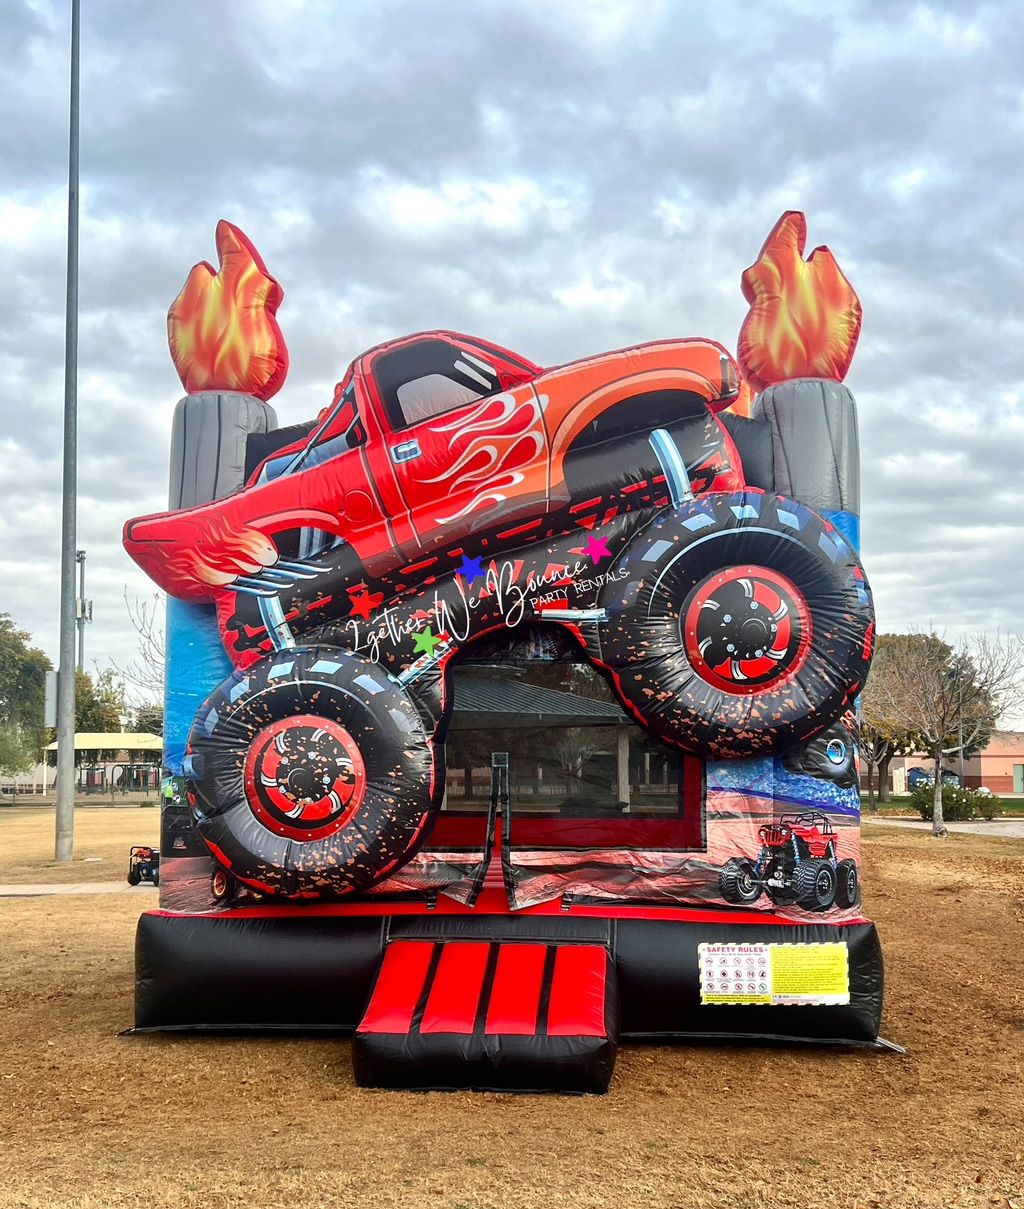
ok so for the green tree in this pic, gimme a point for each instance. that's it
(17, 753)
(147, 718)
(23, 669)
(100, 706)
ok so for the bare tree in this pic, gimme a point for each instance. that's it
(948, 695)
(874, 747)
(882, 737)
(144, 675)
(573, 749)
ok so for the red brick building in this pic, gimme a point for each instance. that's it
(1000, 767)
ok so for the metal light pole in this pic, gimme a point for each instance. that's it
(64, 848)
(82, 609)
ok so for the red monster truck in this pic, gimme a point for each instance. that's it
(430, 439)
(797, 865)
(453, 488)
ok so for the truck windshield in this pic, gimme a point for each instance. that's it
(343, 431)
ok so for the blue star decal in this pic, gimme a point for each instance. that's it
(471, 568)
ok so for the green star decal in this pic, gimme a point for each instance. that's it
(423, 644)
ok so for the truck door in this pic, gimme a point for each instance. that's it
(467, 435)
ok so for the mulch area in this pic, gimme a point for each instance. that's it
(92, 1120)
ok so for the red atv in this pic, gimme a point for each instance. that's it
(797, 866)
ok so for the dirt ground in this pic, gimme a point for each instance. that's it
(102, 839)
(92, 1120)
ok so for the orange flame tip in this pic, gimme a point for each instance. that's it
(222, 330)
(804, 316)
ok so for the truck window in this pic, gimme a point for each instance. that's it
(343, 431)
(431, 395)
(429, 378)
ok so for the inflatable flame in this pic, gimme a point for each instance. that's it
(804, 317)
(221, 328)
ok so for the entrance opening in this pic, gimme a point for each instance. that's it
(588, 787)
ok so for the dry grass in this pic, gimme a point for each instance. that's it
(93, 1121)
(102, 839)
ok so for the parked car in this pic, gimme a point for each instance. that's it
(920, 776)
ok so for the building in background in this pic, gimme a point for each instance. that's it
(1000, 767)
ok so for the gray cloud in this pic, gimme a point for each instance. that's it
(563, 179)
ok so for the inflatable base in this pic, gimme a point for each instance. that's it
(682, 974)
(490, 1016)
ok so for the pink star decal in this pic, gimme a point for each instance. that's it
(597, 548)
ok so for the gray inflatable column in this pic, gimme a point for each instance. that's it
(208, 444)
(816, 446)
(207, 462)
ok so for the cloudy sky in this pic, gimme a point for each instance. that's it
(561, 177)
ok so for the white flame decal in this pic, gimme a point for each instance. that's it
(471, 423)
(490, 494)
(484, 461)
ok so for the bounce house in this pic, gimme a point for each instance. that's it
(511, 710)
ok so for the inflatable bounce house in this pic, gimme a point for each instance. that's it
(511, 710)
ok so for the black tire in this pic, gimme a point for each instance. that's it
(155, 879)
(736, 882)
(847, 884)
(134, 877)
(814, 885)
(312, 774)
(830, 756)
(222, 886)
(739, 624)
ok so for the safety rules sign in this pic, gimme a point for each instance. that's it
(778, 974)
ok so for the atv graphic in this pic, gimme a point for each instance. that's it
(797, 866)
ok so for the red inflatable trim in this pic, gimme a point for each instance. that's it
(515, 998)
(578, 988)
(454, 998)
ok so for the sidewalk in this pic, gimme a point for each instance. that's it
(42, 890)
(1012, 829)
(83, 801)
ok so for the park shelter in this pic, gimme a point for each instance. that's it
(133, 767)
(124, 740)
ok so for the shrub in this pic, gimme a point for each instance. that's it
(958, 805)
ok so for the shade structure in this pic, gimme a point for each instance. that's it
(91, 740)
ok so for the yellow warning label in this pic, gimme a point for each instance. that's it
(810, 973)
(774, 974)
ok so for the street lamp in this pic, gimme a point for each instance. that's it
(64, 843)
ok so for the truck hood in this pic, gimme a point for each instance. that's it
(197, 553)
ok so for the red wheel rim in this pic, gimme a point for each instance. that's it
(746, 630)
(304, 777)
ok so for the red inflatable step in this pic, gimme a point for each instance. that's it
(490, 1015)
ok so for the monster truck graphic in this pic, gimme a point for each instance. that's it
(451, 488)
(797, 866)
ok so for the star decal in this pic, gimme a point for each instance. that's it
(470, 569)
(365, 602)
(597, 548)
(423, 644)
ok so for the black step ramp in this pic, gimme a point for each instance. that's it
(490, 1016)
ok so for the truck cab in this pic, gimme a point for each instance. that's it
(427, 438)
